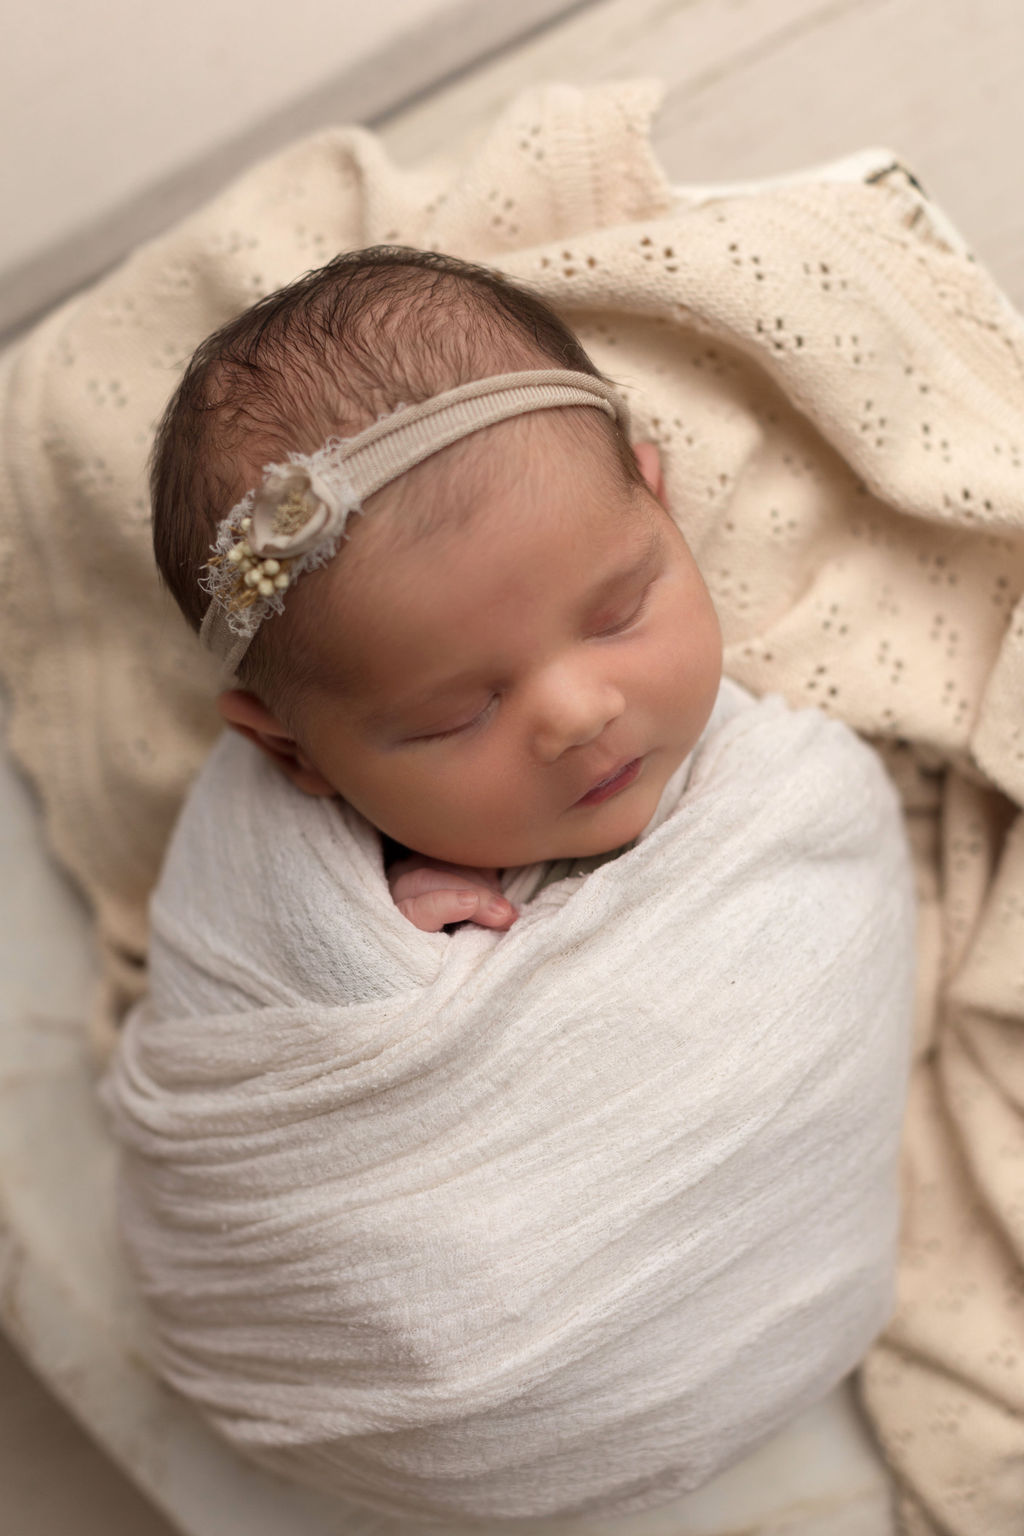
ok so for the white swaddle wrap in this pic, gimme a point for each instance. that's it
(555, 1221)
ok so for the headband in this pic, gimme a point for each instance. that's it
(296, 519)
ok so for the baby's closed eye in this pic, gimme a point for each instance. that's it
(468, 725)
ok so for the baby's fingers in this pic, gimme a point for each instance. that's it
(491, 911)
(433, 910)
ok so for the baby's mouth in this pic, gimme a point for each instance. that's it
(613, 783)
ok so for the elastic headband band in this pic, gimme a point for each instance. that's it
(296, 519)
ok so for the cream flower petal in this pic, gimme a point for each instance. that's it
(291, 513)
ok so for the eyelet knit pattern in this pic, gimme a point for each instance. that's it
(838, 392)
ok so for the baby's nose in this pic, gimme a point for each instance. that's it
(574, 713)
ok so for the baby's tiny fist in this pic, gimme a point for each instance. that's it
(435, 895)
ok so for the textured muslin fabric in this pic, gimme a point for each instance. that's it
(837, 391)
(549, 1222)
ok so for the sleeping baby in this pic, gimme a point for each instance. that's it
(511, 1129)
(508, 548)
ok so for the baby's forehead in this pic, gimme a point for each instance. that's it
(461, 510)
(463, 485)
(457, 504)
(486, 554)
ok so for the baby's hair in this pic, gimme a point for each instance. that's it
(324, 357)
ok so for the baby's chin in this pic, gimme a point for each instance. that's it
(596, 834)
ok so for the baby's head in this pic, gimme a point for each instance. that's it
(507, 623)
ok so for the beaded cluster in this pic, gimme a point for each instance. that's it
(291, 524)
(254, 577)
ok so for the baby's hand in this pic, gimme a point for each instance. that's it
(430, 894)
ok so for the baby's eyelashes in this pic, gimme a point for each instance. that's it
(632, 617)
(463, 729)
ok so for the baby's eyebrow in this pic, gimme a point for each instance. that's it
(644, 565)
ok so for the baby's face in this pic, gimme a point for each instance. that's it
(505, 670)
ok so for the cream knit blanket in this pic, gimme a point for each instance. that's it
(840, 402)
(554, 1222)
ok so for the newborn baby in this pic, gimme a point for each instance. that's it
(562, 1211)
(517, 650)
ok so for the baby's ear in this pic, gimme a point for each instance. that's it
(245, 713)
(649, 460)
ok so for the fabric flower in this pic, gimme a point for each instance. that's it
(293, 511)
